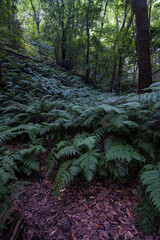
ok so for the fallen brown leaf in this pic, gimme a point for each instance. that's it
(73, 237)
(129, 213)
(52, 233)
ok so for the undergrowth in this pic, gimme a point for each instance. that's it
(90, 132)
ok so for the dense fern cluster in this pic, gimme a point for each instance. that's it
(92, 132)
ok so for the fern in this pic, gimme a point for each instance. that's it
(88, 163)
(119, 157)
(147, 147)
(67, 151)
(50, 161)
(151, 177)
(63, 177)
(124, 153)
(89, 142)
(147, 215)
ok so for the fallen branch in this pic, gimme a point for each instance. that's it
(42, 61)
(17, 228)
(156, 71)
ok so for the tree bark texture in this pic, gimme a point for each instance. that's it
(143, 46)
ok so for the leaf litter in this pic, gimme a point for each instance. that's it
(100, 210)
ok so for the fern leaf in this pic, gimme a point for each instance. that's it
(62, 177)
(88, 142)
(50, 161)
(122, 152)
(67, 151)
(152, 179)
(88, 163)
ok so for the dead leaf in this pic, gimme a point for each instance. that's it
(52, 233)
(73, 237)
(118, 191)
(119, 227)
(130, 235)
(129, 213)
(62, 190)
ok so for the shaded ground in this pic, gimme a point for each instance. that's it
(101, 210)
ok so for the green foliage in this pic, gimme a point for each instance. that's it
(84, 131)
(151, 177)
(6, 194)
(147, 215)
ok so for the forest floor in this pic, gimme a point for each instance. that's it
(103, 209)
(100, 210)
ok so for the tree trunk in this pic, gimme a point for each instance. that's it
(36, 17)
(63, 48)
(9, 16)
(120, 68)
(159, 65)
(143, 47)
(0, 72)
(63, 38)
(0, 10)
(37, 20)
(88, 43)
(97, 50)
(13, 14)
(113, 74)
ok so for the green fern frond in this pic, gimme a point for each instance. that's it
(131, 124)
(147, 147)
(67, 151)
(62, 177)
(62, 144)
(112, 141)
(88, 163)
(109, 108)
(50, 161)
(88, 142)
(151, 178)
(124, 153)
(30, 164)
(147, 215)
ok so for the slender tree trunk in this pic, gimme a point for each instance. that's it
(114, 73)
(37, 20)
(120, 50)
(0, 72)
(143, 45)
(0, 10)
(88, 42)
(120, 68)
(13, 14)
(35, 17)
(63, 48)
(159, 65)
(63, 38)
(9, 16)
(150, 10)
(97, 50)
